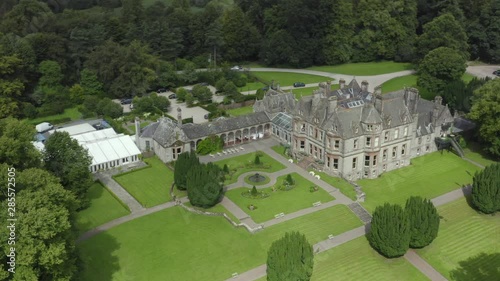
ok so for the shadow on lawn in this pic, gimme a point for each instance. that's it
(98, 261)
(483, 267)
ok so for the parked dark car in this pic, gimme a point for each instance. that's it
(299, 84)
(172, 96)
(125, 101)
(497, 73)
(205, 116)
(161, 90)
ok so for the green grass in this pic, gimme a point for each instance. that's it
(365, 68)
(303, 92)
(280, 201)
(467, 77)
(251, 86)
(281, 151)
(104, 207)
(429, 176)
(475, 153)
(356, 260)
(244, 163)
(143, 124)
(150, 186)
(346, 188)
(179, 193)
(169, 244)
(398, 83)
(71, 113)
(240, 111)
(288, 78)
(464, 234)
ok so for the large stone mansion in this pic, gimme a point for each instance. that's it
(349, 132)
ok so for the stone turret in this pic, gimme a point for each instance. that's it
(179, 117)
(342, 83)
(364, 86)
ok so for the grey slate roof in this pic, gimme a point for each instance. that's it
(167, 133)
(274, 102)
(149, 130)
(196, 131)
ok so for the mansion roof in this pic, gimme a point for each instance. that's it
(167, 132)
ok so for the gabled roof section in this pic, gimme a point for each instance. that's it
(370, 115)
(168, 133)
(195, 131)
(149, 130)
(354, 85)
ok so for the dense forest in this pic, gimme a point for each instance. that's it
(54, 52)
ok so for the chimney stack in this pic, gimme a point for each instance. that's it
(342, 83)
(179, 117)
(364, 86)
(438, 100)
(328, 86)
(333, 103)
(137, 131)
(378, 90)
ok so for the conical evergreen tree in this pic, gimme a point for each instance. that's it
(424, 221)
(486, 189)
(290, 258)
(390, 231)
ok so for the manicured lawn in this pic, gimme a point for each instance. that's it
(169, 244)
(356, 260)
(344, 187)
(429, 176)
(240, 111)
(475, 153)
(302, 92)
(251, 86)
(245, 163)
(467, 77)
(288, 78)
(72, 113)
(149, 186)
(280, 201)
(467, 246)
(104, 207)
(281, 151)
(365, 68)
(398, 83)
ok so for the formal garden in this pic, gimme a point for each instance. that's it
(245, 163)
(104, 207)
(428, 176)
(283, 197)
(184, 240)
(150, 185)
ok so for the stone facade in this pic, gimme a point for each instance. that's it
(355, 134)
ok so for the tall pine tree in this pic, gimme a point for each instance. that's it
(185, 162)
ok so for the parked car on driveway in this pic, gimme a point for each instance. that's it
(161, 90)
(172, 96)
(237, 68)
(125, 101)
(496, 73)
(299, 84)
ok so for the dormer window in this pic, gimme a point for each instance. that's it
(334, 128)
(316, 120)
(369, 127)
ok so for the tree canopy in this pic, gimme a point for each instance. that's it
(290, 258)
(390, 232)
(204, 185)
(65, 158)
(486, 189)
(440, 67)
(424, 221)
(486, 111)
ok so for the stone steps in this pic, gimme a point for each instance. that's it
(361, 212)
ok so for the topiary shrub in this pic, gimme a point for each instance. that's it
(257, 160)
(254, 191)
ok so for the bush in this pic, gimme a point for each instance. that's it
(254, 191)
(289, 179)
(257, 160)
(290, 258)
(210, 144)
